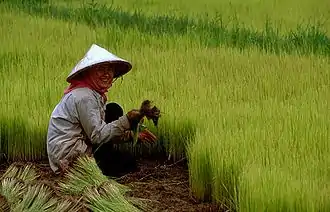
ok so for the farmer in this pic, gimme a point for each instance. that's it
(78, 124)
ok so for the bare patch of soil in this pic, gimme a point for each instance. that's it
(166, 186)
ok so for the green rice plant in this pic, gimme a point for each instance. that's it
(272, 193)
(200, 172)
(12, 129)
(225, 183)
(280, 126)
(183, 132)
(285, 13)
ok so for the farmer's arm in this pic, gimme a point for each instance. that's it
(95, 128)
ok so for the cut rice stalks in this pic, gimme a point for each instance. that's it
(20, 191)
(99, 192)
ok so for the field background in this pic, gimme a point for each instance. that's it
(244, 86)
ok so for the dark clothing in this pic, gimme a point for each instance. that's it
(111, 161)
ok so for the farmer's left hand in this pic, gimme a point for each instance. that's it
(134, 117)
(146, 136)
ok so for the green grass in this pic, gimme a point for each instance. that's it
(255, 124)
(304, 39)
(285, 14)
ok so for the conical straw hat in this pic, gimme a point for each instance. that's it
(98, 55)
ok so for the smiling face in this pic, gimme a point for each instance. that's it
(102, 75)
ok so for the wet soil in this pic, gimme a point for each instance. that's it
(164, 185)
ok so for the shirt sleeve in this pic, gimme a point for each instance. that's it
(96, 129)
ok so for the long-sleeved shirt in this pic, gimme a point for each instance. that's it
(78, 119)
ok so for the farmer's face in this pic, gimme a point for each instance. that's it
(103, 76)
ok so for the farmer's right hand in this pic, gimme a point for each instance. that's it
(134, 117)
(147, 137)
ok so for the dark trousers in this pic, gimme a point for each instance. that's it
(113, 162)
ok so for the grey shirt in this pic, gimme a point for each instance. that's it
(77, 120)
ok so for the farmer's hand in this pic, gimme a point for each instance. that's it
(125, 137)
(134, 117)
(147, 137)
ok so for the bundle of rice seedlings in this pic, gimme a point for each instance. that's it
(11, 191)
(65, 205)
(36, 198)
(107, 198)
(13, 185)
(20, 191)
(98, 191)
(26, 174)
(86, 174)
(40, 198)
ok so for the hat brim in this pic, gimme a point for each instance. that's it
(120, 68)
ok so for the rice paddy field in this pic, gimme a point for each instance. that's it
(244, 89)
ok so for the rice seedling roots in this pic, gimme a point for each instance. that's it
(163, 184)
